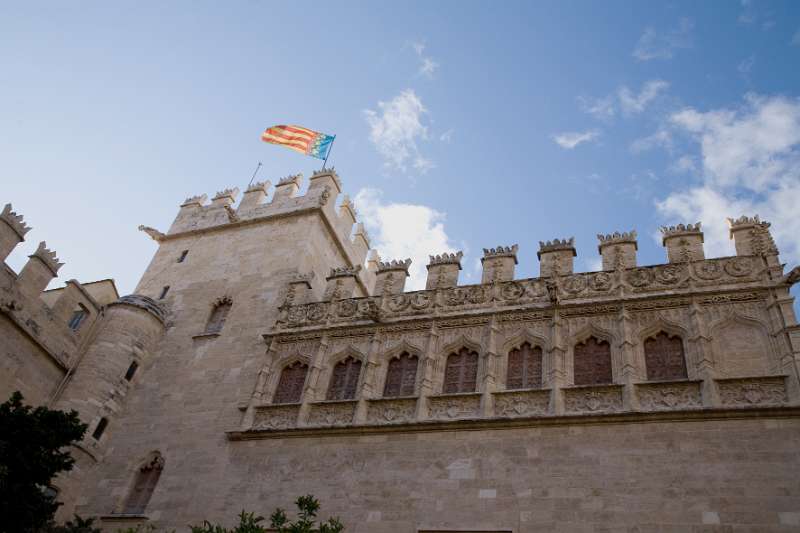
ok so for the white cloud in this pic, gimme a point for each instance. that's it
(599, 108)
(684, 164)
(399, 231)
(661, 138)
(751, 165)
(427, 64)
(662, 45)
(395, 129)
(570, 140)
(636, 103)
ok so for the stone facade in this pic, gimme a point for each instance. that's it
(273, 359)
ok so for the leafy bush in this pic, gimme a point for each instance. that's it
(305, 523)
(33, 449)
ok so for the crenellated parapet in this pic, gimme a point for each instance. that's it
(12, 232)
(225, 197)
(498, 263)
(341, 282)
(684, 242)
(618, 250)
(556, 257)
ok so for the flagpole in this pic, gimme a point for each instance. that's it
(329, 153)
(254, 174)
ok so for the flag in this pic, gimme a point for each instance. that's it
(299, 139)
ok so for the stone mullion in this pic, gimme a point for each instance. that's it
(259, 391)
(702, 355)
(557, 374)
(311, 390)
(428, 370)
(368, 385)
(491, 361)
(626, 361)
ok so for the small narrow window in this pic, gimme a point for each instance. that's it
(218, 316)
(164, 292)
(144, 484)
(101, 427)
(78, 316)
(290, 385)
(183, 255)
(131, 370)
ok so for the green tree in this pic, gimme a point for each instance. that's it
(33, 449)
(306, 520)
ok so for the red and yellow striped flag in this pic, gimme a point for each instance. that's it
(299, 139)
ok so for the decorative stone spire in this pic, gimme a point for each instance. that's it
(555, 257)
(341, 283)
(225, 196)
(48, 257)
(498, 263)
(197, 201)
(12, 231)
(618, 249)
(391, 277)
(684, 242)
(443, 270)
(751, 236)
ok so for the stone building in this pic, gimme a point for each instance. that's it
(265, 354)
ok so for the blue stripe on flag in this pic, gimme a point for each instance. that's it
(320, 146)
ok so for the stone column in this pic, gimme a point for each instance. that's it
(557, 376)
(311, 391)
(492, 363)
(429, 366)
(628, 364)
(703, 356)
(369, 385)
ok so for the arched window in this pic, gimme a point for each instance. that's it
(218, 315)
(664, 359)
(344, 380)
(78, 316)
(592, 362)
(461, 372)
(524, 368)
(401, 377)
(100, 428)
(290, 385)
(145, 483)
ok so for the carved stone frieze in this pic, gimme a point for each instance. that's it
(753, 391)
(521, 403)
(338, 413)
(593, 399)
(454, 406)
(670, 395)
(391, 410)
(739, 266)
(276, 416)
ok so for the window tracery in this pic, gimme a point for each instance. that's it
(592, 362)
(344, 380)
(664, 357)
(524, 367)
(461, 372)
(401, 376)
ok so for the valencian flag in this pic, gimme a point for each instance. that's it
(300, 139)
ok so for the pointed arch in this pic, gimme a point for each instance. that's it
(345, 378)
(291, 383)
(462, 341)
(219, 314)
(743, 346)
(145, 479)
(526, 335)
(461, 371)
(591, 361)
(592, 330)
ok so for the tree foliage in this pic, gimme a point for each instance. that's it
(33, 449)
(305, 523)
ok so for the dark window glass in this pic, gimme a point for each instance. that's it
(664, 358)
(183, 255)
(78, 316)
(401, 376)
(344, 380)
(131, 370)
(101, 427)
(461, 372)
(290, 385)
(524, 368)
(592, 363)
(164, 292)
(145, 483)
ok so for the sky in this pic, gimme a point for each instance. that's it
(460, 125)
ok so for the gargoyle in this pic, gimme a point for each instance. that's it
(154, 233)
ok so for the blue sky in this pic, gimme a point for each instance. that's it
(460, 125)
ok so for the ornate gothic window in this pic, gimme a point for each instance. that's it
(401, 377)
(461, 372)
(344, 380)
(218, 316)
(145, 483)
(290, 385)
(524, 368)
(592, 362)
(664, 359)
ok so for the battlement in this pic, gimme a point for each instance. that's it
(14, 221)
(446, 259)
(557, 245)
(616, 238)
(501, 251)
(394, 264)
(680, 230)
